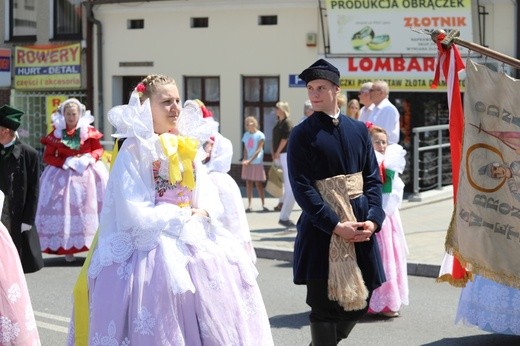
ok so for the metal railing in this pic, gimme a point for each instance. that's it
(431, 159)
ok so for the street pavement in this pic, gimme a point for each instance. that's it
(425, 221)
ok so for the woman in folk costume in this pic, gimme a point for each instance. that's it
(392, 294)
(69, 206)
(17, 323)
(218, 164)
(165, 271)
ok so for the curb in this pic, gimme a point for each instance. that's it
(414, 269)
(424, 270)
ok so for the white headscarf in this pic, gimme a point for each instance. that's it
(85, 119)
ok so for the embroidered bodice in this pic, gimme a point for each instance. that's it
(170, 193)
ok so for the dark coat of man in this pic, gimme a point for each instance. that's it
(19, 181)
(317, 150)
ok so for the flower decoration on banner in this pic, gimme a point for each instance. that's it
(140, 88)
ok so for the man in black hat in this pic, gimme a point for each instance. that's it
(324, 147)
(19, 181)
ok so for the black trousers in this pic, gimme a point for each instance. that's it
(325, 310)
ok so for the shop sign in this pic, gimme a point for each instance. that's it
(296, 82)
(47, 67)
(401, 74)
(5, 67)
(384, 27)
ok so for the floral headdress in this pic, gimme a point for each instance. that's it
(140, 89)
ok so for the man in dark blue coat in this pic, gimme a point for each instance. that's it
(329, 144)
(19, 181)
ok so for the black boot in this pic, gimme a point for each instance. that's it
(323, 334)
(343, 329)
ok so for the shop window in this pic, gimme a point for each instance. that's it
(22, 20)
(260, 95)
(67, 19)
(206, 89)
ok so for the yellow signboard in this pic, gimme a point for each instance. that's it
(51, 105)
(47, 67)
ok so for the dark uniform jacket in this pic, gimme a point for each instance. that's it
(19, 181)
(318, 150)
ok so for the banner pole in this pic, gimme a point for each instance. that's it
(453, 37)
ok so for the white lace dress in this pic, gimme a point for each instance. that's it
(17, 323)
(160, 276)
(490, 306)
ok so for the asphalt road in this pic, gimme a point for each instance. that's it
(428, 320)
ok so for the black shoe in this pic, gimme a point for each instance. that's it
(286, 223)
(265, 210)
(278, 207)
(248, 210)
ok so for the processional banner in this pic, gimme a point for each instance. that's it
(485, 230)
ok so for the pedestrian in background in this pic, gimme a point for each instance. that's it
(74, 178)
(281, 133)
(384, 114)
(393, 293)
(307, 110)
(253, 171)
(353, 109)
(342, 102)
(19, 181)
(364, 99)
(330, 156)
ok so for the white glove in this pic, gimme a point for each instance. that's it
(70, 162)
(83, 162)
(26, 227)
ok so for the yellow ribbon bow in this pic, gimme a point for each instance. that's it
(180, 150)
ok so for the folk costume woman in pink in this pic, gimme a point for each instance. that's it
(17, 323)
(72, 184)
(165, 271)
(392, 294)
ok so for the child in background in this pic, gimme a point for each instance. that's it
(252, 163)
(388, 299)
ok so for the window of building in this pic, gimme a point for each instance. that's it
(135, 24)
(206, 89)
(67, 23)
(22, 20)
(260, 95)
(200, 22)
(267, 20)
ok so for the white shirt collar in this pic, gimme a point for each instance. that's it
(10, 143)
(335, 116)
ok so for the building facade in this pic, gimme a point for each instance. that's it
(238, 56)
